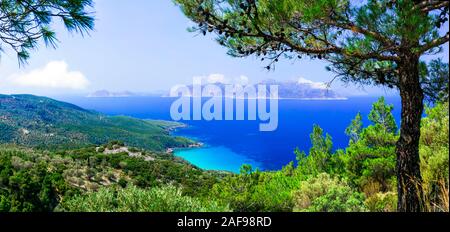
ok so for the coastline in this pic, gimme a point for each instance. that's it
(171, 150)
(193, 145)
(209, 158)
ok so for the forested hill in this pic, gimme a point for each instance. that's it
(43, 122)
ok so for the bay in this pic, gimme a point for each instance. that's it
(229, 144)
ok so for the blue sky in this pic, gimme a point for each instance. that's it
(143, 46)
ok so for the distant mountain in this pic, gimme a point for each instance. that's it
(301, 89)
(106, 93)
(43, 122)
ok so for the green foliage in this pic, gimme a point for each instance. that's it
(327, 194)
(24, 23)
(320, 158)
(381, 114)
(370, 161)
(257, 191)
(434, 155)
(435, 80)
(134, 199)
(354, 129)
(363, 41)
(317, 160)
(382, 202)
(46, 123)
(163, 169)
(30, 182)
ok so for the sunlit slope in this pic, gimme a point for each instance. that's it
(43, 122)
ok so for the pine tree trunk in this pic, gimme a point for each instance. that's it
(409, 180)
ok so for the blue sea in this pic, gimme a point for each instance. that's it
(229, 144)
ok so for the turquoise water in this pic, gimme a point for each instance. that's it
(216, 158)
(233, 143)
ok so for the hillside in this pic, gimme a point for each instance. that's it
(55, 181)
(58, 153)
(43, 122)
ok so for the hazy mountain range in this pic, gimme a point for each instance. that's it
(300, 89)
(106, 93)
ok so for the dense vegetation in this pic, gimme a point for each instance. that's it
(133, 199)
(115, 177)
(358, 178)
(46, 123)
(33, 180)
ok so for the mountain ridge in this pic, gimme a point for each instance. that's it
(302, 89)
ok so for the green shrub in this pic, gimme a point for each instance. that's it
(434, 156)
(122, 182)
(134, 199)
(255, 191)
(326, 194)
(382, 202)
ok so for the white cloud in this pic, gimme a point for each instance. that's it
(55, 75)
(221, 78)
(316, 85)
(242, 80)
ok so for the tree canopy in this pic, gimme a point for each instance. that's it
(23, 23)
(363, 42)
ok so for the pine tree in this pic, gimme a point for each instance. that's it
(378, 42)
(23, 23)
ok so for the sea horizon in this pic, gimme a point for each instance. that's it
(227, 148)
